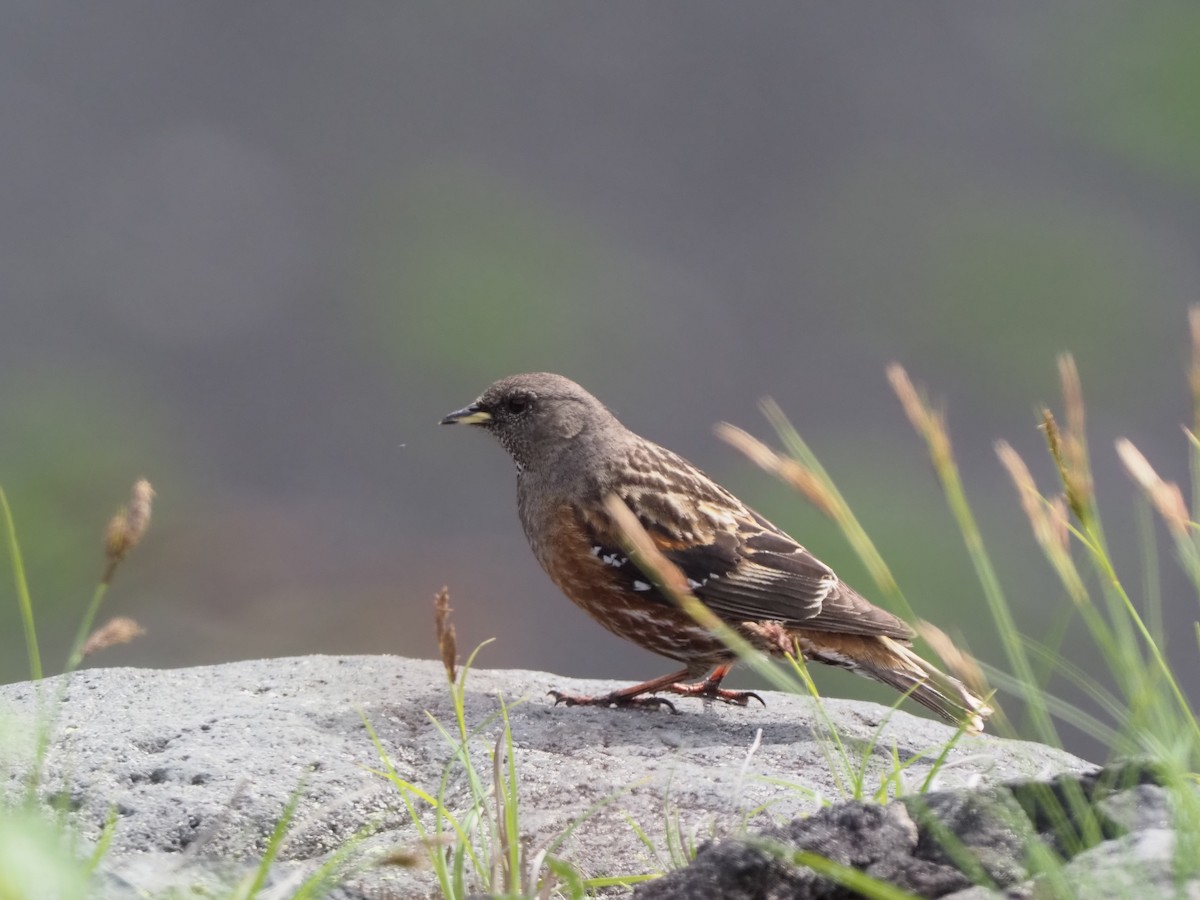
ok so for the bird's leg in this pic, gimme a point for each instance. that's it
(635, 696)
(630, 696)
(710, 689)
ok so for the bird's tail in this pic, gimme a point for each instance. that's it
(945, 695)
(889, 661)
(894, 663)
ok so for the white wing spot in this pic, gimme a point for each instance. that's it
(826, 586)
(693, 583)
(641, 586)
(596, 550)
(615, 560)
(639, 615)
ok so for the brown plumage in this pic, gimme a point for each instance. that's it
(571, 453)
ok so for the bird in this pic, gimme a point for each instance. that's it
(572, 454)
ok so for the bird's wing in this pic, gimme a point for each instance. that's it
(760, 574)
(739, 564)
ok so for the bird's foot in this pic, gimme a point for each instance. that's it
(616, 698)
(712, 690)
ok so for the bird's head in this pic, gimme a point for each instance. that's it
(535, 416)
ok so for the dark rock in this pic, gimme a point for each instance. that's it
(981, 835)
(963, 844)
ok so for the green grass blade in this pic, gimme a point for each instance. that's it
(85, 628)
(22, 588)
(849, 524)
(860, 883)
(103, 843)
(274, 843)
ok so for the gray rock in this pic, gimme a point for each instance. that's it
(961, 844)
(866, 836)
(896, 844)
(1142, 807)
(1140, 864)
(977, 892)
(199, 763)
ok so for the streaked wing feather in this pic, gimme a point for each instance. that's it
(742, 566)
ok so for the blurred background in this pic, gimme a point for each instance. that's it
(255, 252)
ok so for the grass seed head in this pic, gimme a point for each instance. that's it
(446, 638)
(127, 528)
(120, 630)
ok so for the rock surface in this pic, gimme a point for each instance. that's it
(959, 845)
(199, 763)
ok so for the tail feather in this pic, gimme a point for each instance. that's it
(894, 663)
(929, 686)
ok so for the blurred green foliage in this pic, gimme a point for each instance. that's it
(471, 279)
(1015, 284)
(77, 457)
(470, 273)
(37, 858)
(993, 283)
(1132, 84)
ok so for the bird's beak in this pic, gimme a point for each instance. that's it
(468, 415)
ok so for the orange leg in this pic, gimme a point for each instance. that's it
(709, 688)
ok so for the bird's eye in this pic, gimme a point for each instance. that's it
(516, 405)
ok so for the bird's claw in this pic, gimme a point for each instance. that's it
(745, 698)
(645, 701)
(709, 691)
